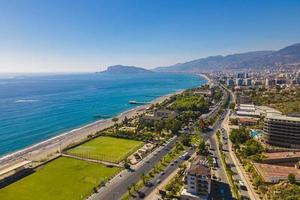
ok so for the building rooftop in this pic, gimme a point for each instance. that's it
(244, 120)
(267, 109)
(199, 169)
(282, 117)
(277, 155)
(271, 172)
(247, 105)
(248, 113)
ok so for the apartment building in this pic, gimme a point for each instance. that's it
(198, 182)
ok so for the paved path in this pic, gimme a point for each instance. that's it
(92, 160)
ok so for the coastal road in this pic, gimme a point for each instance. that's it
(117, 187)
(161, 177)
(220, 188)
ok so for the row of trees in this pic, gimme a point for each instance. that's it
(188, 101)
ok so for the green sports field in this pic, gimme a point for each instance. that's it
(107, 149)
(61, 179)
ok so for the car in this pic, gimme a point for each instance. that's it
(172, 164)
(162, 173)
(149, 184)
(176, 161)
(243, 197)
(141, 194)
(158, 181)
(148, 161)
(242, 185)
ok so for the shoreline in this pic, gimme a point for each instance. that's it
(50, 146)
(55, 144)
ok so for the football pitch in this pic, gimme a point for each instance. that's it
(109, 149)
(61, 179)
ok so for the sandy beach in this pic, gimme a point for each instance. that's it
(54, 145)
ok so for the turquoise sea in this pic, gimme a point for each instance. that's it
(37, 107)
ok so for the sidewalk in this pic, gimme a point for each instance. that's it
(238, 165)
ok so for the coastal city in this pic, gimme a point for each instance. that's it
(150, 100)
(236, 137)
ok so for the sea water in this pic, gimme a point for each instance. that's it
(34, 108)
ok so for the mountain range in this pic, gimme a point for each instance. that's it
(254, 60)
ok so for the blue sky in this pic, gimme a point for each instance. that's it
(87, 35)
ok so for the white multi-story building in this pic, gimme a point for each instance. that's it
(198, 181)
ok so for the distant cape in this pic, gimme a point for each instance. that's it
(119, 69)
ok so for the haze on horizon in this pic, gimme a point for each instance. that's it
(87, 36)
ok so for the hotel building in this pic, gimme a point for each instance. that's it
(281, 130)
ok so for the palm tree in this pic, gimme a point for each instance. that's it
(129, 191)
(115, 120)
(134, 187)
(144, 178)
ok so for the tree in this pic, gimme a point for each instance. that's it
(134, 186)
(187, 140)
(115, 119)
(125, 121)
(174, 125)
(203, 124)
(291, 178)
(252, 147)
(144, 178)
(126, 164)
(129, 191)
(158, 126)
(202, 148)
(239, 136)
(232, 106)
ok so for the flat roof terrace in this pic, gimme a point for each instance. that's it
(280, 155)
(274, 173)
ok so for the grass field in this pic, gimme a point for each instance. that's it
(61, 179)
(107, 148)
